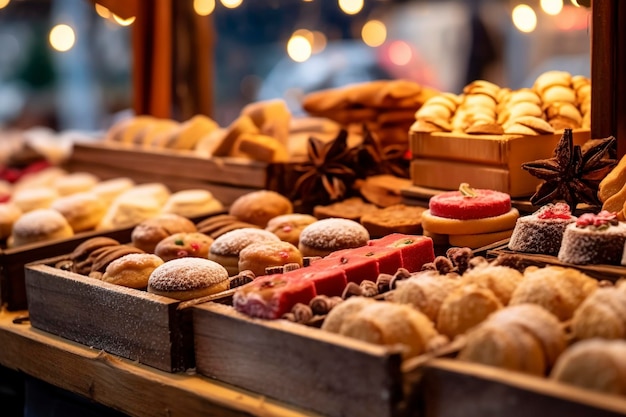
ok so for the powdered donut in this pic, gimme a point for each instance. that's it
(329, 235)
(258, 207)
(147, 234)
(258, 256)
(180, 245)
(132, 270)
(39, 225)
(9, 213)
(226, 248)
(188, 278)
(289, 226)
(83, 211)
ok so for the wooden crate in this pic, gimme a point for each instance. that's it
(227, 178)
(443, 160)
(137, 325)
(13, 260)
(304, 366)
(451, 388)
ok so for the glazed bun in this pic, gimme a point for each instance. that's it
(192, 203)
(188, 278)
(38, 226)
(330, 235)
(147, 234)
(258, 207)
(256, 257)
(83, 211)
(132, 270)
(181, 245)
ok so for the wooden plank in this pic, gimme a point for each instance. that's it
(451, 388)
(127, 322)
(230, 171)
(135, 389)
(304, 366)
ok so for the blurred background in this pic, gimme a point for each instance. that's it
(67, 64)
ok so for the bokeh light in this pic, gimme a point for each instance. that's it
(551, 7)
(62, 38)
(102, 11)
(319, 42)
(374, 33)
(400, 53)
(351, 6)
(231, 4)
(4, 3)
(123, 22)
(203, 7)
(524, 18)
(299, 48)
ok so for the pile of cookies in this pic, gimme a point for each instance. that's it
(386, 107)
(557, 100)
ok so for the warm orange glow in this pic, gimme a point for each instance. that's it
(319, 42)
(299, 48)
(123, 22)
(203, 7)
(4, 3)
(102, 11)
(551, 7)
(351, 6)
(374, 33)
(231, 4)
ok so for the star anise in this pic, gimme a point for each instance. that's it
(327, 176)
(374, 159)
(573, 174)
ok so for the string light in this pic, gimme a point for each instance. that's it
(299, 48)
(4, 3)
(102, 11)
(231, 4)
(374, 33)
(551, 7)
(203, 7)
(62, 38)
(123, 22)
(351, 6)
(524, 18)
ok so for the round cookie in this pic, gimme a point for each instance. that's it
(28, 199)
(447, 226)
(192, 203)
(75, 183)
(188, 278)
(256, 257)
(9, 213)
(38, 226)
(258, 207)
(100, 258)
(132, 270)
(180, 245)
(82, 210)
(226, 248)
(289, 226)
(332, 234)
(147, 234)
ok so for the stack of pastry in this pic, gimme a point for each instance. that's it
(386, 107)
(560, 99)
(557, 100)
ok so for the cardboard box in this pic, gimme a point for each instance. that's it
(443, 160)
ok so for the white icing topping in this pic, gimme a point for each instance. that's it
(334, 233)
(231, 243)
(586, 245)
(185, 274)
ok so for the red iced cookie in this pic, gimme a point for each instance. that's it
(469, 203)
(271, 296)
(415, 250)
(357, 268)
(388, 259)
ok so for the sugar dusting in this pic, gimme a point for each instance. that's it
(334, 233)
(40, 221)
(231, 243)
(185, 274)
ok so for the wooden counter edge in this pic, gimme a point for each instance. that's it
(121, 384)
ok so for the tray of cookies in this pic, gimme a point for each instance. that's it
(486, 133)
(52, 211)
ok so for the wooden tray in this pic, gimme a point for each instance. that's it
(134, 324)
(310, 368)
(227, 178)
(451, 388)
(601, 271)
(12, 262)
